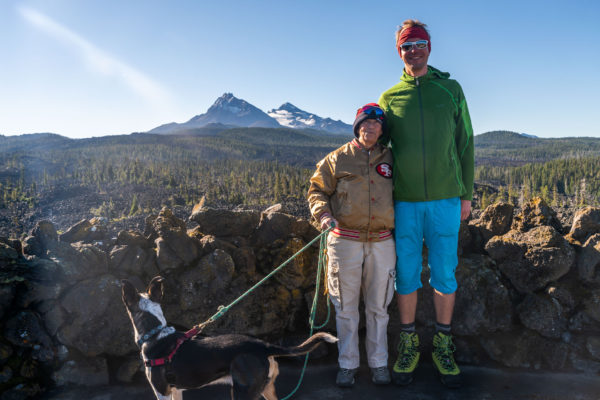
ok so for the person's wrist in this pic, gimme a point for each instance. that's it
(324, 216)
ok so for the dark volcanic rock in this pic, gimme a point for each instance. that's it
(532, 259)
(63, 318)
(26, 330)
(226, 222)
(494, 220)
(98, 322)
(79, 261)
(274, 226)
(43, 236)
(86, 231)
(585, 223)
(210, 243)
(210, 276)
(8, 244)
(8, 254)
(133, 260)
(543, 314)
(483, 303)
(245, 260)
(299, 272)
(526, 349)
(7, 295)
(84, 372)
(174, 248)
(588, 262)
(77, 232)
(132, 238)
(592, 305)
(536, 213)
(465, 238)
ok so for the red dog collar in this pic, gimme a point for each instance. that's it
(157, 362)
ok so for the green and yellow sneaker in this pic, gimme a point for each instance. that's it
(443, 359)
(408, 358)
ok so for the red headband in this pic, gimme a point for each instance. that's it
(413, 32)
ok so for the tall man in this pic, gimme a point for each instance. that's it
(432, 144)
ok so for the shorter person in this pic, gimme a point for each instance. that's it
(352, 191)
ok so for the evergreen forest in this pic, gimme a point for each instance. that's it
(118, 177)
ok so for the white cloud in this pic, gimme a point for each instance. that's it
(100, 61)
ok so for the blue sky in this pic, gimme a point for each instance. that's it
(95, 68)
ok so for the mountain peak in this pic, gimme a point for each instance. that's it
(229, 110)
(292, 117)
(288, 107)
(228, 99)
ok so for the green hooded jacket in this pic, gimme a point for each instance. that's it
(431, 137)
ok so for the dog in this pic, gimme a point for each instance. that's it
(176, 361)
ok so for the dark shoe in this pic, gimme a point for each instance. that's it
(345, 377)
(380, 375)
(408, 359)
(443, 359)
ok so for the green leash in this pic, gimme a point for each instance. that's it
(221, 310)
(313, 309)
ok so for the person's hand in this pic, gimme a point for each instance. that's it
(327, 221)
(465, 209)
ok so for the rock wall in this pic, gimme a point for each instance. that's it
(529, 290)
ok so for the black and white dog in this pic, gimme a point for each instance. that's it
(174, 363)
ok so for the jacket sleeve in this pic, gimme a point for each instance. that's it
(465, 146)
(322, 186)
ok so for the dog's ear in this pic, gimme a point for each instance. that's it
(129, 294)
(155, 289)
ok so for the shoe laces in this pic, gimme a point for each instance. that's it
(408, 349)
(347, 372)
(444, 350)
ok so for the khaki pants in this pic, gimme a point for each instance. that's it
(371, 266)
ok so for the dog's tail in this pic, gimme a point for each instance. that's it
(308, 346)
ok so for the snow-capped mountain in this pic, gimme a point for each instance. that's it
(229, 111)
(293, 117)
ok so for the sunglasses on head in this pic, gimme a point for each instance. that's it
(419, 44)
(370, 110)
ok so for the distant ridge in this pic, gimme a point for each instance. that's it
(502, 138)
(528, 135)
(229, 111)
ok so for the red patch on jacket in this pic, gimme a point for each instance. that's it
(384, 169)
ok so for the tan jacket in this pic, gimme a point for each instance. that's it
(355, 187)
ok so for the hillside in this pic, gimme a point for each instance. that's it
(564, 170)
(505, 148)
(123, 177)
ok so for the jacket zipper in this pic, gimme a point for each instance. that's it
(422, 138)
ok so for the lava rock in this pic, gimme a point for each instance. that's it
(586, 222)
(532, 259)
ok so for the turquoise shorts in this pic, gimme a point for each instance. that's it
(438, 222)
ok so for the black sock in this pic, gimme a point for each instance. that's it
(408, 328)
(445, 329)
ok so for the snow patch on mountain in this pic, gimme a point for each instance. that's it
(292, 117)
